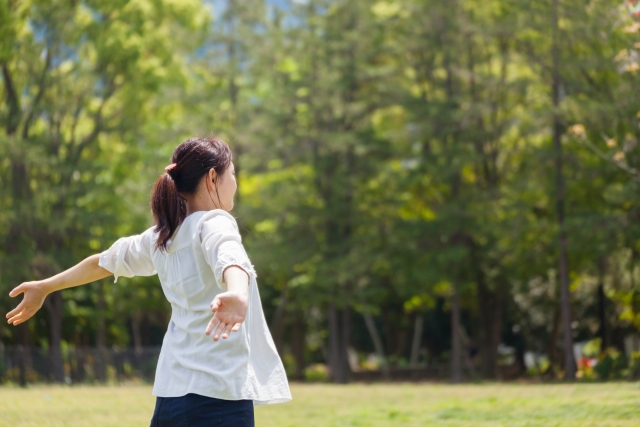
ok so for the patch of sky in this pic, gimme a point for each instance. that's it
(42, 34)
(99, 86)
(39, 30)
(282, 4)
(64, 53)
(214, 49)
(290, 7)
(96, 15)
(200, 52)
(216, 7)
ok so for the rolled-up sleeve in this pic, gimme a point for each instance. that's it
(222, 246)
(130, 256)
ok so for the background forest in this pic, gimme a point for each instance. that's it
(427, 189)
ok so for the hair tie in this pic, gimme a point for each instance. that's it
(171, 166)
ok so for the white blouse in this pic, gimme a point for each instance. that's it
(245, 365)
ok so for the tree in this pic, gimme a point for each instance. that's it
(77, 81)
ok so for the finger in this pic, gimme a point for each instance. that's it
(16, 291)
(212, 324)
(226, 331)
(219, 330)
(236, 327)
(221, 327)
(16, 316)
(215, 304)
(16, 310)
(15, 320)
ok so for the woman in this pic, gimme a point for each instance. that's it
(196, 250)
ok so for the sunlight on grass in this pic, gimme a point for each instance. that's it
(584, 405)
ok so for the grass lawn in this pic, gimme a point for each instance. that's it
(583, 405)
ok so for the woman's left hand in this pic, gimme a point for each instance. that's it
(230, 310)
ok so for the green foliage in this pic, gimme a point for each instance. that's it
(79, 82)
(316, 373)
(611, 365)
(389, 154)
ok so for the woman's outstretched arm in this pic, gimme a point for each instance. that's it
(35, 292)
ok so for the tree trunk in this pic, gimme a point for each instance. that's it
(417, 340)
(22, 370)
(345, 339)
(565, 297)
(298, 338)
(25, 361)
(456, 345)
(490, 307)
(101, 360)
(466, 345)
(54, 306)
(338, 344)
(78, 373)
(603, 332)
(377, 344)
(553, 342)
(402, 335)
(334, 343)
(19, 234)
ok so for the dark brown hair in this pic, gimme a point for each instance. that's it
(193, 158)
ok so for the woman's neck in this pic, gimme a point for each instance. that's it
(196, 204)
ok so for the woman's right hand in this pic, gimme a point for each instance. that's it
(34, 295)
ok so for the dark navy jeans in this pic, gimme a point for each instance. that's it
(193, 410)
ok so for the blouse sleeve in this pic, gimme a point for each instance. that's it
(222, 246)
(130, 256)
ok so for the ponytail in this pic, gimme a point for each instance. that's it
(168, 208)
(191, 160)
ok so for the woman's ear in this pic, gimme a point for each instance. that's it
(212, 175)
(209, 179)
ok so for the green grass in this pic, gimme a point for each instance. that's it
(583, 405)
